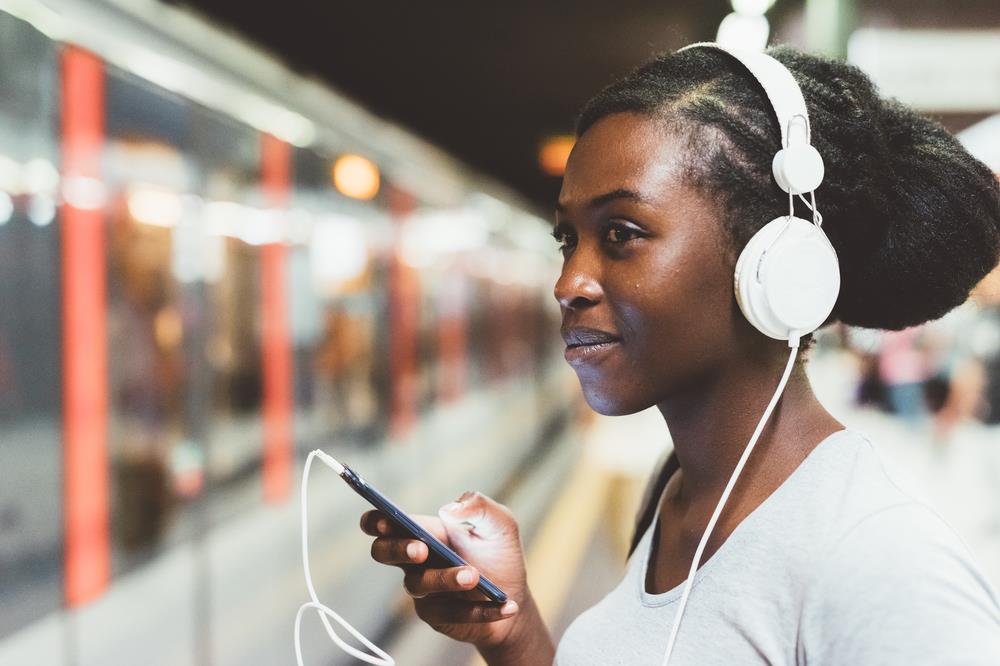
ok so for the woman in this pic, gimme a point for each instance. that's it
(818, 557)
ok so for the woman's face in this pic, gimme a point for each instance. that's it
(646, 285)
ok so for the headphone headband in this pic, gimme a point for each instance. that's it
(787, 277)
(780, 86)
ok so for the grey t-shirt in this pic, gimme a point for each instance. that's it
(839, 566)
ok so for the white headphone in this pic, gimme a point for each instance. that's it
(787, 277)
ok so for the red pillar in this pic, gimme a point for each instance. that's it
(84, 338)
(452, 337)
(404, 320)
(276, 336)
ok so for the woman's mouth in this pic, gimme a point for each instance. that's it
(588, 345)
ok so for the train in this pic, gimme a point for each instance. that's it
(209, 266)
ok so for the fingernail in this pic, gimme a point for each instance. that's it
(465, 577)
(509, 608)
(452, 508)
(381, 526)
(412, 549)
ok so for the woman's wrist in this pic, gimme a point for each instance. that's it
(529, 643)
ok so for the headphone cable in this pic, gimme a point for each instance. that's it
(380, 656)
(793, 343)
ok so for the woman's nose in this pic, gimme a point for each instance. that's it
(578, 285)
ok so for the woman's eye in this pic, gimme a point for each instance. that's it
(620, 233)
(565, 240)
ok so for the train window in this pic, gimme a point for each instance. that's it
(338, 312)
(310, 181)
(149, 314)
(226, 157)
(185, 221)
(31, 540)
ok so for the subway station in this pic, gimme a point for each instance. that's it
(641, 333)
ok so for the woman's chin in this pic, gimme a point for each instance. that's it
(609, 403)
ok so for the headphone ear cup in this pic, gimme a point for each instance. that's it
(787, 278)
(798, 168)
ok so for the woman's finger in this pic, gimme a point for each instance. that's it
(375, 523)
(388, 550)
(438, 610)
(421, 582)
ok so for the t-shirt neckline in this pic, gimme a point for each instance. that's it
(674, 593)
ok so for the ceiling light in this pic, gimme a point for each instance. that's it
(355, 176)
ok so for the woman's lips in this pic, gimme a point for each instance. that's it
(589, 353)
(587, 345)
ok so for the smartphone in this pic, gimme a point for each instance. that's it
(439, 555)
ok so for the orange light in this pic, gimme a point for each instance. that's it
(554, 153)
(356, 177)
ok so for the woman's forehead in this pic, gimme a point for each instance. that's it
(623, 152)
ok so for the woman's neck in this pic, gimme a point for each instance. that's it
(711, 424)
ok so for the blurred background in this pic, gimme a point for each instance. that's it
(233, 232)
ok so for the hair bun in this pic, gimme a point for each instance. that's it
(914, 217)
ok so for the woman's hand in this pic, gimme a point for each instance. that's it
(485, 534)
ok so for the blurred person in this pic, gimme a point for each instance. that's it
(819, 556)
(963, 399)
(871, 391)
(964, 347)
(146, 372)
(955, 390)
(342, 362)
(903, 370)
(330, 358)
(987, 343)
(863, 346)
(991, 373)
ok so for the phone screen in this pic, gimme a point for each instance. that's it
(440, 555)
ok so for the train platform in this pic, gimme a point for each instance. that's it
(217, 255)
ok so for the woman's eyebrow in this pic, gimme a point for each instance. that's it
(607, 197)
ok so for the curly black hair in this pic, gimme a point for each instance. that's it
(914, 218)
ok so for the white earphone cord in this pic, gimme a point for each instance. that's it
(383, 658)
(793, 343)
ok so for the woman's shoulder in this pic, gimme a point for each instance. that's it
(854, 509)
(900, 587)
(845, 482)
(894, 576)
(878, 511)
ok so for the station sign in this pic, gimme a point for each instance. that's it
(944, 71)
